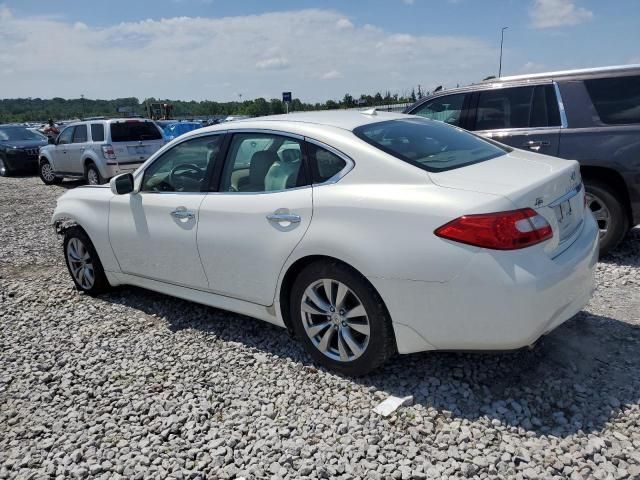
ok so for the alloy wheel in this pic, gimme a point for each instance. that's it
(600, 212)
(335, 320)
(80, 263)
(92, 177)
(47, 172)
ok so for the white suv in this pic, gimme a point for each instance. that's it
(97, 150)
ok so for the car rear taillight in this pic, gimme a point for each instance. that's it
(499, 231)
(108, 152)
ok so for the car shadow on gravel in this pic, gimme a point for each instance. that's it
(628, 252)
(577, 378)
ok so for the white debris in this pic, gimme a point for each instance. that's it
(391, 404)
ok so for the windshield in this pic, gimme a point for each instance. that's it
(428, 144)
(134, 131)
(17, 134)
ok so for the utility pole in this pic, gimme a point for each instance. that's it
(501, 43)
(82, 103)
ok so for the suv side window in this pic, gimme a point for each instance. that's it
(65, 136)
(447, 108)
(97, 132)
(184, 167)
(80, 134)
(517, 107)
(617, 100)
(324, 164)
(259, 162)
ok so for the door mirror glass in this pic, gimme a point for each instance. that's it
(122, 184)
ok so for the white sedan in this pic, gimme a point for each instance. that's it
(363, 233)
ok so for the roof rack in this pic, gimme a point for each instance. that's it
(564, 73)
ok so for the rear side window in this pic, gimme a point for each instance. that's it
(97, 132)
(134, 132)
(446, 109)
(517, 107)
(617, 100)
(432, 146)
(324, 163)
(80, 134)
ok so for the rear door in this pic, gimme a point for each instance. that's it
(134, 141)
(525, 117)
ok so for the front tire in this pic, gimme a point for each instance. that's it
(609, 213)
(93, 175)
(47, 174)
(340, 319)
(83, 262)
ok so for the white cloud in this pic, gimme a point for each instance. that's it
(217, 58)
(409, 2)
(557, 13)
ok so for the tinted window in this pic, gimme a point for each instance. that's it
(184, 167)
(617, 100)
(18, 133)
(430, 145)
(445, 109)
(518, 107)
(80, 134)
(134, 131)
(324, 163)
(260, 162)
(97, 132)
(65, 136)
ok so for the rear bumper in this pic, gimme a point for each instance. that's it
(111, 170)
(500, 301)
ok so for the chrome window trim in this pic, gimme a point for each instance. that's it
(563, 113)
(348, 160)
(496, 133)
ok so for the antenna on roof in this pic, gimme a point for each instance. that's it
(369, 111)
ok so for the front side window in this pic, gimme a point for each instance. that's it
(65, 136)
(184, 167)
(97, 132)
(432, 146)
(259, 162)
(617, 100)
(80, 134)
(446, 109)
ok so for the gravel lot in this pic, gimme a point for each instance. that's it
(137, 384)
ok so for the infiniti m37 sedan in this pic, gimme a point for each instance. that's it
(363, 233)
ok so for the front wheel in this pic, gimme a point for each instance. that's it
(340, 319)
(47, 174)
(83, 262)
(609, 214)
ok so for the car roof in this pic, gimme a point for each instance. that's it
(344, 119)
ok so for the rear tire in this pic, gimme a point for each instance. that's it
(93, 175)
(83, 262)
(47, 174)
(347, 330)
(4, 168)
(609, 213)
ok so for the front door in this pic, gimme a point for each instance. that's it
(75, 150)
(251, 225)
(60, 152)
(524, 117)
(153, 232)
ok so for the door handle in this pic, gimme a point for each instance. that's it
(283, 217)
(182, 213)
(535, 145)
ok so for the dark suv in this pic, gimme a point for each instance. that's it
(592, 116)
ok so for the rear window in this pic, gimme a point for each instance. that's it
(430, 145)
(134, 132)
(617, 100)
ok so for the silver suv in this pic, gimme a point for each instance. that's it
(97, 150)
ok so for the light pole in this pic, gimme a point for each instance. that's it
(501, 43)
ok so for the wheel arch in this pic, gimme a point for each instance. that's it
(612, 178)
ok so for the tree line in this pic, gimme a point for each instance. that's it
(38, 109)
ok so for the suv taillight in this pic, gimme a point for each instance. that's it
(499, 231)
(108, 152)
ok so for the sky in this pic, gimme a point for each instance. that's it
(223, 49)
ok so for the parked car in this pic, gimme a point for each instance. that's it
(19, 148)
(592, 116)
(174, 130)
(97, 150)
(363, 233)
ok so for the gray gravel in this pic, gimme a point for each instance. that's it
(134, 385)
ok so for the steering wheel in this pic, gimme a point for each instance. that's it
(188, 171)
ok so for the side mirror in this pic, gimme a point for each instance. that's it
(122, 184)
(51, 140)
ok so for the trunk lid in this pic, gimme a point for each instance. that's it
(551, 186)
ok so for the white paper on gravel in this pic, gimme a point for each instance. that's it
(391, 404)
